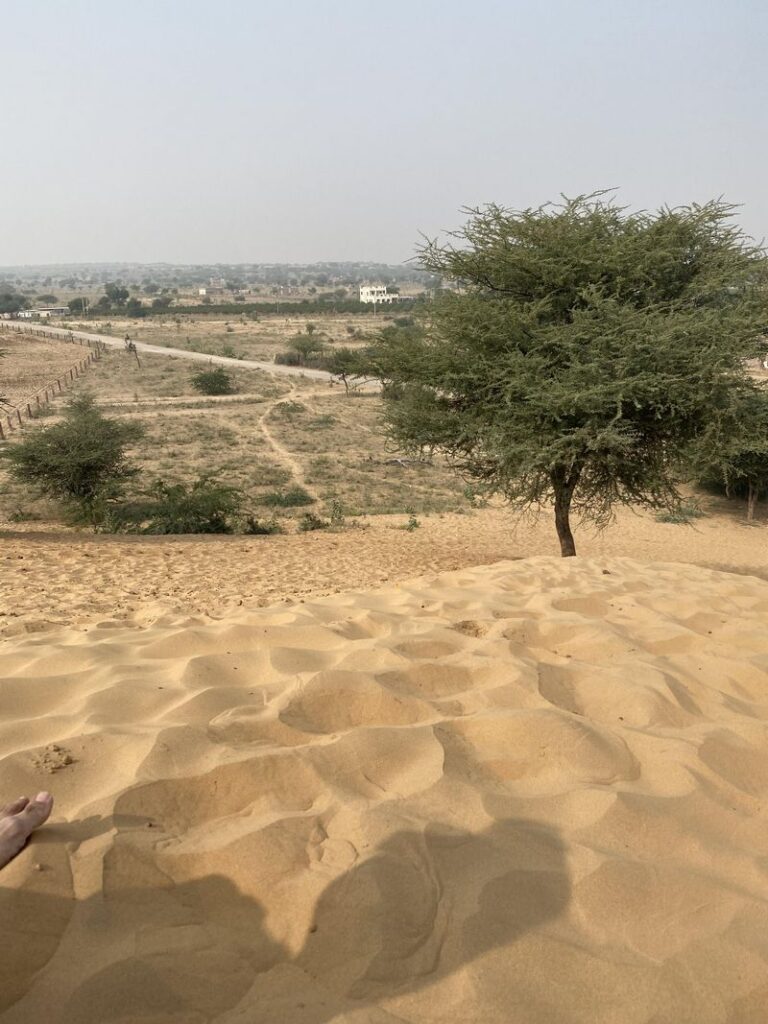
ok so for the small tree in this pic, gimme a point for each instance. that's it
(346, 364)
(116, 294)
(306, 346)
(732, 456)
(78, 305)
(81, 460)
(581, 353)
(135, 308)
(213, 382)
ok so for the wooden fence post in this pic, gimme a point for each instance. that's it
(2, 433)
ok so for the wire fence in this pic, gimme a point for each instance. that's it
(12, 415)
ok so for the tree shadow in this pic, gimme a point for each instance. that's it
(420, 908)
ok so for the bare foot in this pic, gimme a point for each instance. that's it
(19, 820)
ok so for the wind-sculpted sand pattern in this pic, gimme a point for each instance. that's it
(533, 793)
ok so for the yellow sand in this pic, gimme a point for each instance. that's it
(50, 579)
(530, 793)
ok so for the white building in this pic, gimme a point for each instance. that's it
(376, 293)
(42, 312)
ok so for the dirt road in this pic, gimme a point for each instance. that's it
(176, 353)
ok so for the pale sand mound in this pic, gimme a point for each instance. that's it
(533, 793)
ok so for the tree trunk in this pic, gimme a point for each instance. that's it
(564, 484)
(751, 501)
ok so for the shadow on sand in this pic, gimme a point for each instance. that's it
(412, 913)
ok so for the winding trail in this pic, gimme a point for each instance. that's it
(283, 454)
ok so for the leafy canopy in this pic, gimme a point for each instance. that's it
(81, 459)
(216, 381)
(732, 455)
(583, 350)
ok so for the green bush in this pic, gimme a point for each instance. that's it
(291, 358)
(213, 382)
(290, 498)
(309, 521)
(81, 461)
(262, 527)
(682, 515)
(205, 506)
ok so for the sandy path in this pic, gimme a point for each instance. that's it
(281, 453)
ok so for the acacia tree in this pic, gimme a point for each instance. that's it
(82, 460)
(581, 353)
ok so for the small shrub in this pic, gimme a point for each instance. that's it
(475, 498)
(309, 521)
(413, 523)
(684, 514)
(21, 515)
(293, 497)
(213, 382)
(287, 410)
(337, 513)
(262, 527)
(205, 506)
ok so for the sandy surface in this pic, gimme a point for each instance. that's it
(531, 793)
(50, 579)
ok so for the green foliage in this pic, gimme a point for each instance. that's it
(413, 523)
(347, 364)
(78, 305)
(309, 522)
(307, 346)
(81, 460)
(293, 497)
(731, 457)
(475, 497)
(116, 294)
(287, 410)
(584, 352)
(206, 506)
(262, 527)
(11, 301)
(682, 515)
(289, 358)
(216, 381)
(338, 518)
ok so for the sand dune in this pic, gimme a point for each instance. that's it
(50, 579)
(532, 792)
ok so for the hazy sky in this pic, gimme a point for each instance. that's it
(253, 130)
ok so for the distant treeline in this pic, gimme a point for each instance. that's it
(311, 307)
